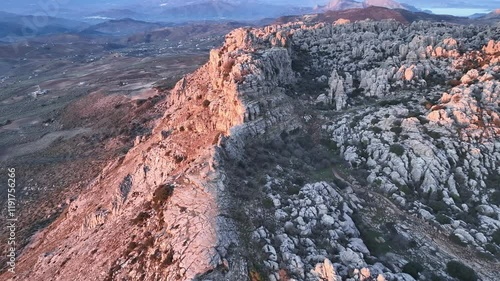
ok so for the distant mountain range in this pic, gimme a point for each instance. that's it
(381, 13)
(128, 22)
(339, 5)
(121, 27)
(178, 11)
(13, 27)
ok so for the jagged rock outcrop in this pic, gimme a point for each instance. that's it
(157, 213)
(448, 153)
(337, 90)
(168, 210)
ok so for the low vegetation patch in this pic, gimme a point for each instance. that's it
(413, 268)
(442, 219)
(496, 237)
(460, 271)
(162, 194)
(141, 217)
(397, 149)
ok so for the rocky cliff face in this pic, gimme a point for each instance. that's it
(303, 152)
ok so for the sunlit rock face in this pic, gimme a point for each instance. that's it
(410, 111)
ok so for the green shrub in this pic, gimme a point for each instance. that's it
(455, 239)
(330, 144)
(300, 181)
(161, 195)
(495, 197)
(370, 236)
(438, 206)
(442, 219)
(413, 268)
(397, 130)
(397, 149)
(293, 190)
(141, 217)
(434, 135)
(496, 237)
(460, 271)
(268, 203)
(376, 130)
(491, 248)
(413, 113)
(423, 120)
(405, 189)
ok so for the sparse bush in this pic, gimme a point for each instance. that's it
(455, 239)
(454, 82)
(413, 268)
(267, 203)
(492, 181)
(397, 130)
(397, 149)
(405, 189)
(491, 248)
(355, 121)
(496, 237)
(161, 195)
(330, 144)
(460, 271)
(370, 237)
(434, 135)
(423, 120)
(376, 130)
(438, 206)
(413, 114)
(227, 66)
(131, 246)
(442, 219)
(141, 217)
(206, 103)
(179, 158)
(168, 259)
(293, 190)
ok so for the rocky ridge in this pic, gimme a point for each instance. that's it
(405, 78)
(371, 93)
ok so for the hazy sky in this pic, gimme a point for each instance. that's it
(447, 6)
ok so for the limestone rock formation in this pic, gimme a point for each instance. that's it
(406, 163)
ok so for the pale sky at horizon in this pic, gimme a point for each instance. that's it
(454, 7)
